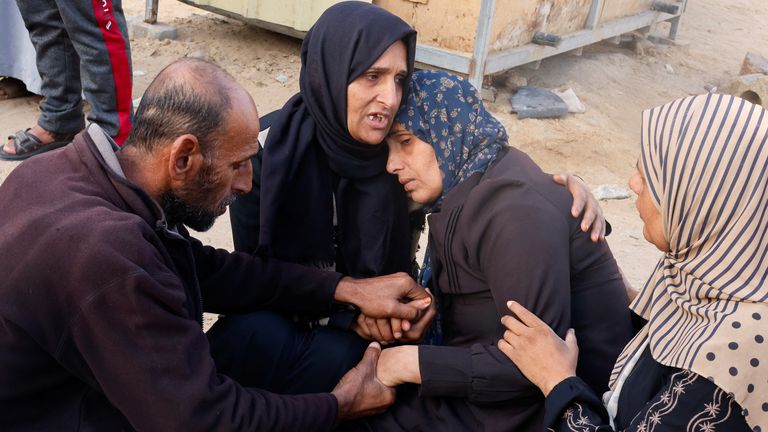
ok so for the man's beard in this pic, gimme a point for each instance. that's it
(196, 216)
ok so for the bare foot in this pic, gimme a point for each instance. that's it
(46, 137)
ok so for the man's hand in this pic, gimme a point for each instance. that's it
(538, 352)
(386, 331)
(359, 392)
(391, 296)
(584, 201)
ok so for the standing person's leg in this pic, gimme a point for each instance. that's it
(99, 33)
(61, 111)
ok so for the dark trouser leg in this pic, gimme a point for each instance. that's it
(61, 110)
(265, 350)
(99, 33)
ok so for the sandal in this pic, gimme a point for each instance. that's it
(28, 145)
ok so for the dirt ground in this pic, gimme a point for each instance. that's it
(601, 145)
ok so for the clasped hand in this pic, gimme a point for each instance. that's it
(392, 308)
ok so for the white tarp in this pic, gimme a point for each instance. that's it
(17, 55)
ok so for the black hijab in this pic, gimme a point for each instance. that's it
(310, 158)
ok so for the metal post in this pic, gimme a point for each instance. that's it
(595, 9)
(674, 24)
(150, 12)
(482, 36)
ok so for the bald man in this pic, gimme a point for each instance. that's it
(103, 291)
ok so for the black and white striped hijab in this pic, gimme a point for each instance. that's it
(705, 161)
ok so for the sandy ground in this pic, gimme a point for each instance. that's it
(601, 145)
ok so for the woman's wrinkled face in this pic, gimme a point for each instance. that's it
(653, 226)
(373, 98)
(415, 164)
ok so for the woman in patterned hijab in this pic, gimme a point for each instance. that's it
(499, 228)
(447, 112)
(700, 363)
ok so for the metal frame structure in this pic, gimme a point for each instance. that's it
(484, 63)
(150, 12)
(481, 62)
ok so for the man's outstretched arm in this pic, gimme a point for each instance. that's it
(239, 283)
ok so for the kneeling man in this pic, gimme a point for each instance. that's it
(103, 289)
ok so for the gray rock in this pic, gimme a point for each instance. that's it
(571, 101)
(282, 78)
(611, 192)
(198, 54)
(754, 63)
(536, 102)
(137, 28)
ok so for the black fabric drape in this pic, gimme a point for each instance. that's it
(309, 156)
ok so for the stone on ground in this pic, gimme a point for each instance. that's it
(536, 102)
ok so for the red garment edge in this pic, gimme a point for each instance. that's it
(121, 69)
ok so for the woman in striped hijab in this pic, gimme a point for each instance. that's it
(701, 361)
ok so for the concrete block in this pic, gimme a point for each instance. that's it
(754, 63)
(753, 88)
(137, 28)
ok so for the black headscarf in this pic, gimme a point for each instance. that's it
(310, 157)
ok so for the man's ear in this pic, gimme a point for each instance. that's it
(185, 159)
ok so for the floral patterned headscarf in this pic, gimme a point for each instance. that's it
(447, 112)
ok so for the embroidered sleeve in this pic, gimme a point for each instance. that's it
(573, 407)
(685, 403)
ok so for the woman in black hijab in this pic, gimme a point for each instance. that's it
(326, 199)
(315, 173)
